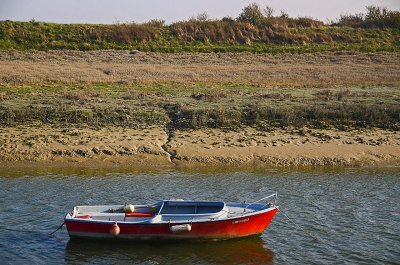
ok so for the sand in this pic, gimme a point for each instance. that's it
(303, 147)
(115, 146)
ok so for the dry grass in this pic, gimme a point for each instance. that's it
(3, 97)
(307, 70)
(200, 90)
(132, 94)
(81, 95)
(209, 97)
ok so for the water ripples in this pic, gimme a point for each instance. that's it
(347, 216)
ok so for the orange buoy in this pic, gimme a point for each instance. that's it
(115, 230)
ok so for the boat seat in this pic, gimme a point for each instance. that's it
(86, 216)
(139, 214)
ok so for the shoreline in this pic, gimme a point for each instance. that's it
(122, 147)
(79, 109)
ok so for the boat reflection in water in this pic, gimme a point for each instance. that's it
(238, 251)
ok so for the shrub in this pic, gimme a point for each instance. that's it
(305, 22)
(252, 14)
(379, 17)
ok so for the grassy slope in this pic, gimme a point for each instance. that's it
(197, 105)
(196, 36)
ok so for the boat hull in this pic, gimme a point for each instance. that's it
(242, 226)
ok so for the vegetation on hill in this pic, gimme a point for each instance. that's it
(254, 30)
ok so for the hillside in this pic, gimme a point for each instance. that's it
(253, 31)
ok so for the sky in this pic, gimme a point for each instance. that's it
(121, 11)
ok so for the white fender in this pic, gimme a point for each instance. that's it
(180, 228)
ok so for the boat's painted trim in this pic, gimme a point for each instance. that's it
(69, 217)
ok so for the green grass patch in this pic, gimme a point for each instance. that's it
(198, 105)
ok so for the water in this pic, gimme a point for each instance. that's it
(346, 216)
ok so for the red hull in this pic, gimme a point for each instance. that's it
(219, 229)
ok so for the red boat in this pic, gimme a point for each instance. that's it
(172, 219)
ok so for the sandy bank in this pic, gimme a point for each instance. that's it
(303, 147)
(114, 146)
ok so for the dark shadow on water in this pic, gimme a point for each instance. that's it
(239, 251)
(16, 172)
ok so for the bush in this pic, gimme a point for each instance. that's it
(376, 17)
(251, 14)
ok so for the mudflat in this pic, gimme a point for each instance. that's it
(113, 146)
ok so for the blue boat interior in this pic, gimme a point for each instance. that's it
(191, 207)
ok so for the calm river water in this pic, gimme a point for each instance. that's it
(346, 216)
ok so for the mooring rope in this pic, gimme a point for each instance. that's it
(310, 234)
(57, 229)
(28, 231)
(287, 217)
